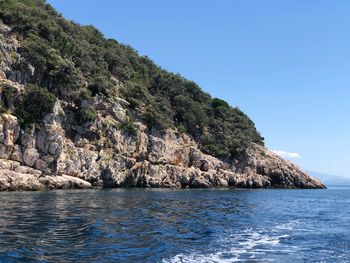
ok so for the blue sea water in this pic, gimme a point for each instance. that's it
(140, 225)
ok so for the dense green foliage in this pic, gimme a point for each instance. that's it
(7, 96)
(67, 55)
(35, 103)
(86, 114)
(128, 126)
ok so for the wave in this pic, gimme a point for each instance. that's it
(247, 245)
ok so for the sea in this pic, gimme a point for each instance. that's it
(164, 225)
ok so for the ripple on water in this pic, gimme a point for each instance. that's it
(175, 226)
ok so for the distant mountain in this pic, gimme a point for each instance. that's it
(330, 179)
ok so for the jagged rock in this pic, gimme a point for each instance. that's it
(204, 165)
(169, 160)
(42, 165)
(169, 149)
(27, 170)
(30, 156)
(18, 181)
(8, 164)
(10, 129)
(14, 181)
(28, 137)
(17, 154)
(2, 75)
(201, 182)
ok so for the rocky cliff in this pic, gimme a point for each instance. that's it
(61, 153)
(47, 158)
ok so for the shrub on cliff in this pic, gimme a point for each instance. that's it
(190, 114)
(99, 84)
(51, 70)
(34, 104)
(154, 120)
(213, 147)
(8, 93)
(127, 125)
(86, 114)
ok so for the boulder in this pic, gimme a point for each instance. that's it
(14, 181)
(64, 182)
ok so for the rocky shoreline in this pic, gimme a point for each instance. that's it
(44, 158)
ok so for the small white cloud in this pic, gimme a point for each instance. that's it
(288, 155)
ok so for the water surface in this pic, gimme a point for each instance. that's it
(138, 225)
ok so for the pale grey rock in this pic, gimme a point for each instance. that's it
(170, 160)
(8, 164)
(2, 75)
(42, 166)
(10, 130)
(27, 170)
(13, 181)
(28, 137)
(17, 154)
(30, 156)
(64, 182)
(5, 152)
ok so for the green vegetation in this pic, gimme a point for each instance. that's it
(128, 126)
(86, 114)
(263, 154)
(71, 60)
(8, 94)
(35, 103)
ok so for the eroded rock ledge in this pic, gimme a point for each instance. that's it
(45, 158)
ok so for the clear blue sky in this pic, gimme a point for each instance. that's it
(285, 63)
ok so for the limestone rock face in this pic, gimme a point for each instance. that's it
(61, 153)
(46, 158)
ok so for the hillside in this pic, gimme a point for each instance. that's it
(79, 110)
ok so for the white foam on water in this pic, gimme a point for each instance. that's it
(193, 258)
(292, 225)
(243, 246)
